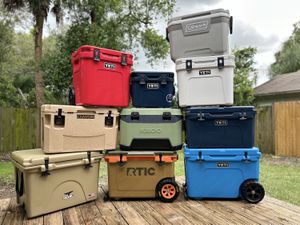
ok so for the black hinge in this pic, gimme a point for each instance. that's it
(163, 80)
(142, 79)
(121, 163)
(59, 119)
(246, 157)
(123, 59)
(89, 165)
(109, 120)
(200, 156)
(220, 62)
(231, 25)
(97, 55)
(160, 162)
(189, 65)
(135, 116)
(167, 116)
(46, 172)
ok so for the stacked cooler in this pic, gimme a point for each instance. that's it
(220, 160)
(65, 172)
(150, 134)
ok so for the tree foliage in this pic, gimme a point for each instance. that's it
(288, 58)
(120, 25)
(245, 76)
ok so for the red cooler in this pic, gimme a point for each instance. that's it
(101, 76)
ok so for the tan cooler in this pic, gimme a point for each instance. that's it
(47, 183)
(142, 175)
(67, 128)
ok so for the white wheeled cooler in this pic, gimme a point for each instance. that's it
(205, 80)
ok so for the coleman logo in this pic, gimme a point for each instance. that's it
(204, 72)
(150, 131)
(223, 164)
(199, 26)
(140, 171)
(109, 65)
(86, 117)
(221, 123)
(152, 85)
(68, 195)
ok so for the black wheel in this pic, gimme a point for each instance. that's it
(167, 190)
(252, 191)
(184, 188)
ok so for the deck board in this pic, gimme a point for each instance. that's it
(182, 211)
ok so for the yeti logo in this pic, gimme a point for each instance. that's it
(204, 72)
(68, 195)
(199, 26)
(221, 123)
(109, 65)
(140, 171)
(152, 86)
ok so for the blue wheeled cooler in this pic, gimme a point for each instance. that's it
(218, 127)
(152, 89)
(223, 173)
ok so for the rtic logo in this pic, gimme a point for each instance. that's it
(223, 164)
(221, 123)
(109, 65)
(140, 171)
(199, 26)
(204, 72)
(150, 130)
(68, 195)
(152, 85)
(90, 117)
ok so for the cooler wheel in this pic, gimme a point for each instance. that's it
(167, 190)
(252, 191)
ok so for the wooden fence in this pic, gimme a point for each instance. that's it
(19, 129)
(278, 129)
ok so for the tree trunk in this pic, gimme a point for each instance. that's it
(38, 39)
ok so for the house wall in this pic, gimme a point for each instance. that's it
(268, 100)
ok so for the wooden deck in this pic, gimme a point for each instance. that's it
(269, 211)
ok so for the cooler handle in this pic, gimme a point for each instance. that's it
(203, 116)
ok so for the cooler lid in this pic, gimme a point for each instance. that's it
(36, 157)
(226, 154)
(206, 62)
(144, 76)
(77, 109)
(157, 156)
(233, 112)
(202, 15)
(151, 111)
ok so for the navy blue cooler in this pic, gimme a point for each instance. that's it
(218, 127)
(223, 173)
(152, 89)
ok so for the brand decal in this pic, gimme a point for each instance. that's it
(140, 171)
(152, 85)
(199, 26)
(204, 72)
(109, 65)
(85, 117)
(169, 98)
(68, 195)
(150, 130)
(221, 123)
(223, 164)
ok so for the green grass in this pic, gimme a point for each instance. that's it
(280, 181)
(6, 172)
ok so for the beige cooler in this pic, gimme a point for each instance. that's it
(141, 174)
(68, 128)
(71, 179)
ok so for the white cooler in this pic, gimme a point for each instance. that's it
(200, 34)
(205, 80)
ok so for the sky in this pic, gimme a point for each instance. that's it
(264, 24)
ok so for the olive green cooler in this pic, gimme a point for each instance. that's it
(142, 175)
(151, 129)
(47, 183)
(67, 128)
